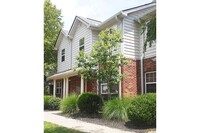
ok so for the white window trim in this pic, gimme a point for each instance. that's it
(108, 90)
(146, 80)
(82, 44)
(62, 55)
(58, 88)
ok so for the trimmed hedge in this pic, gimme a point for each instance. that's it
(142, 111)
(46, 103)
(89, 103)
(116, 109)
(69, 104)
(51, 103)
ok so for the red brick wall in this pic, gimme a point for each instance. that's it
(131, 82)
(149, 65)
(92, 86)
(75, 84)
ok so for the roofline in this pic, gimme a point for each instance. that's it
(122, 12)
(57, 37)
(137, 6)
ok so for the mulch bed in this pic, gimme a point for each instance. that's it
(97, 119)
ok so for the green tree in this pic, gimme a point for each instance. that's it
(52, 26)
(104, 60)
(148, 27)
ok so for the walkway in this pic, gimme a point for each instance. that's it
(52, 116)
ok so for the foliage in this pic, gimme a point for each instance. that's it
(51, 103)
(104, 54)
(116, 109)
(69, 104)
(46, 103)
(52, 26)
(53, 128)
(142, 110)
(149, 26)
(89, 103)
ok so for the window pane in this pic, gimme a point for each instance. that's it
(63, 58)
(81, 48)
(151, 88)
(63, 51)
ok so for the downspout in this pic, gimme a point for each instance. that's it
(141, 67)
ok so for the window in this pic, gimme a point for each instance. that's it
(58, 87)
(63, 55)
(150, 82)
(113, 90)
(81, 44)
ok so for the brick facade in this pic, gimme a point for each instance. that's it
(131, 82)
(149, 65)
(75, 84)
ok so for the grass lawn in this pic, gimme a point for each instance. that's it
(53, 128)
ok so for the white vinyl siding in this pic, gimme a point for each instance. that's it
(65, 65)
(150, 51)
(133, 44)
(81, 32)
(95, 37)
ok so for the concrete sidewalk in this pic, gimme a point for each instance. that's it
(52, 116)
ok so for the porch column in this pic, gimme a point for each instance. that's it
(54, 88)
(82, 84)
(97, 87)
(64, 88)
(85, 85)
(67, 87)
(120, 84)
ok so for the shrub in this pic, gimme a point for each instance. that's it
(116, 109)
(89, 102)
(46, 103)
(142, 111)
(51, 103)
(54, 103)
(69, 105)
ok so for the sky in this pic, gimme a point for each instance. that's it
(95, 9)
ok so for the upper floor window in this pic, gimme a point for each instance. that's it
(150, 82)
(81, 44)
(63, 55)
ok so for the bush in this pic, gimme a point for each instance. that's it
(54, 103)
(51, 103)
(89, 102)
(46, 103)
(142, 111)
(116, 109)
(69, 105)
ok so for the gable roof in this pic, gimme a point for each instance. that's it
(98, 25)
(61, 34)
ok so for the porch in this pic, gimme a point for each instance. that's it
(69, 82)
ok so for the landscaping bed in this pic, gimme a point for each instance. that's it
(97, 119)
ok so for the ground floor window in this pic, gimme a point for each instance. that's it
(113, 90)
(150, 82)
(58, 87)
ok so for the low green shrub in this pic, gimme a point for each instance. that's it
(46, 103)
(142, 111)
(54, 103)
(69, 104)
(51, 103)
(116, 109)
(89, 103)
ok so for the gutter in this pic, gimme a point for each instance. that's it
(141, 67)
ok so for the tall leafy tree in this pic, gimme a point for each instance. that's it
(104, 60)
(52, 26)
